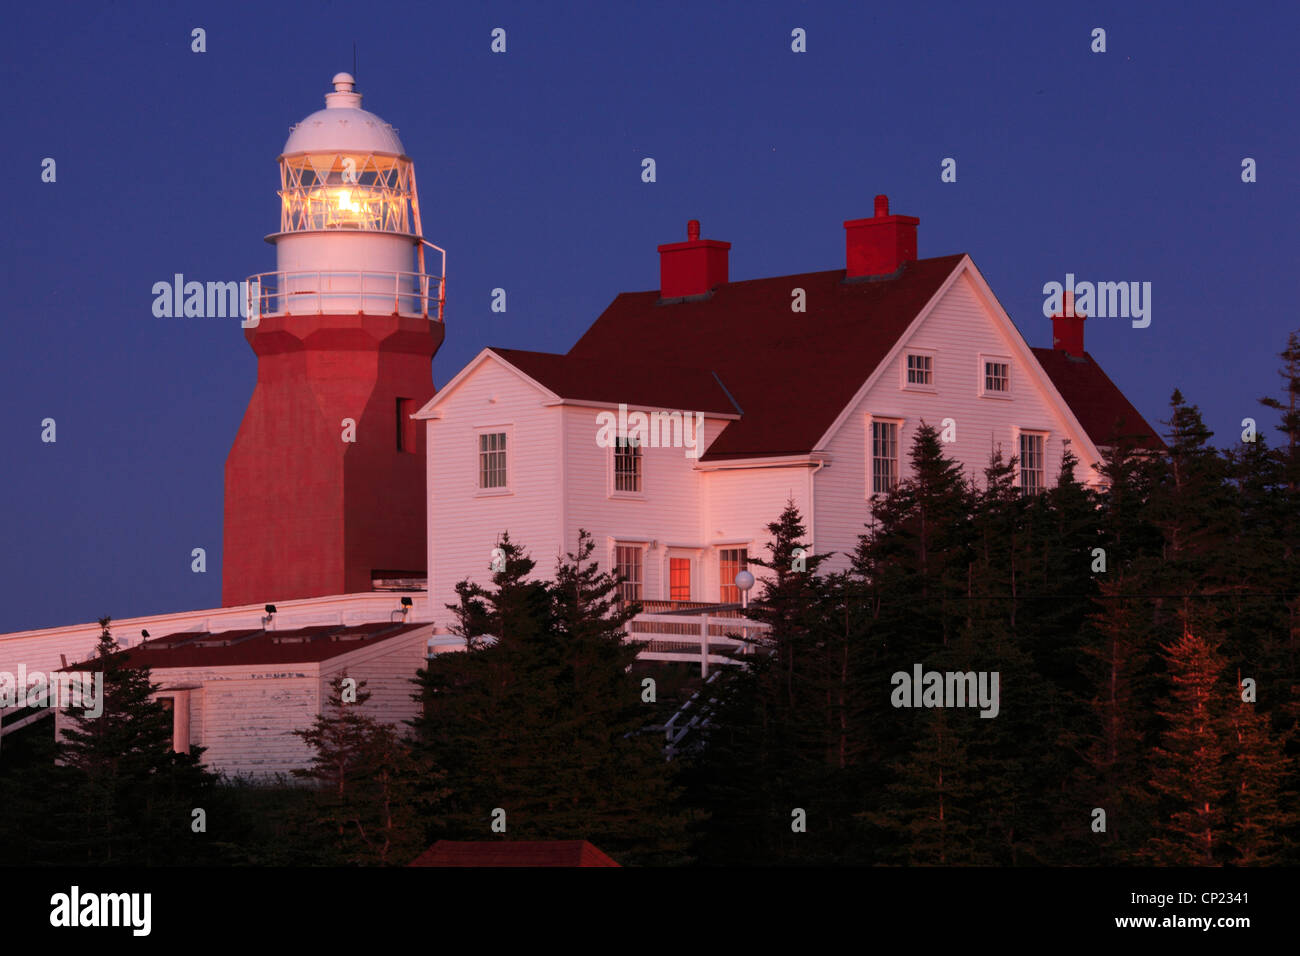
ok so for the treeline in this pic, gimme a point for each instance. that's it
(1144, 638)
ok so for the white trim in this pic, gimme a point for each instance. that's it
(933, 356)
(610, 491)
(982, 358)
(783, 461)
(636, 407)
(1083, 446)
(460, 377)
(1017, 431)
(508, 429)
(869, 442)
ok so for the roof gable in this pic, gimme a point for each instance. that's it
(791, 373)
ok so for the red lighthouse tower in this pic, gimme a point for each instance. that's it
(325, 483)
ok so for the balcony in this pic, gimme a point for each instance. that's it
(407, 294)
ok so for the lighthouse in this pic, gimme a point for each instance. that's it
(325, 482)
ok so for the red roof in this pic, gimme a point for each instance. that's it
(1103, 411)
(628, 380)
(302, 645)
(791, 373)
(513, 853)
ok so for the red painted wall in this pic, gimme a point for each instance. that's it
(308, 514)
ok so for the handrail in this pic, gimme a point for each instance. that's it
(413, 294)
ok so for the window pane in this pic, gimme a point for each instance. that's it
(679, 579)
(731, 561)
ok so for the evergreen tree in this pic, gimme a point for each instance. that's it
(133, 796)
(1188, 773)
(367, 778)
(1258, 776)
(928, 818)
(544, 721)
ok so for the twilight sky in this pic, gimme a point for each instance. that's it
(1122, 166)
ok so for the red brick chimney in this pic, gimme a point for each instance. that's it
(880, 245)
(1067, 328)
(693, 267)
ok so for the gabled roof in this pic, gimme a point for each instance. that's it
(303, 645)
(1103, 411)
(626, 379)
(513, 853)
(791, 373)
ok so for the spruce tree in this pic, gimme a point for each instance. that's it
(1259, 775)
(1188, 770)
(133, 795)
(367, 781)
(543, 722)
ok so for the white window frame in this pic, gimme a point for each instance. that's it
(734, 546)
(896, 421)
(643, 548)
(508, 488)
(907, 386)
(1045, 435)
(612, 484)
(981, 388)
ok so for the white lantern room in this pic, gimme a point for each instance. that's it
(350, 239)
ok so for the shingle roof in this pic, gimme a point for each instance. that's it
(1100, 406)
(627, 379)
(513, 853)
(791, 373)
(302, 645)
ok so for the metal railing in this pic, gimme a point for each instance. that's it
(408, 294)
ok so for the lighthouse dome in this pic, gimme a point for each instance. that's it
(343, 126)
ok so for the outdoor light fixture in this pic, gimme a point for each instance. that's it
(145, 635)
(406, 606)
(270, 613)
(744, 581)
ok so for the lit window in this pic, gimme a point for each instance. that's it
(492, 460)
(884, 456)
(731, 561)
(997, 377)
(1032, 477)
(627, 465)
(920, 369)
(679, 579)
(627, 564)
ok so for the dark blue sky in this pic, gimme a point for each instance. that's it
(1115, 166)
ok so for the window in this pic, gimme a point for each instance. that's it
(731, 561)
(405, 426)
(627, 564)
(1032, 477)
(492, 460)
(884, 456)
(627, 465)
(997, 377)
(679, 579)
(920, 369)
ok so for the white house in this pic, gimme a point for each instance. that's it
(806, 387)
